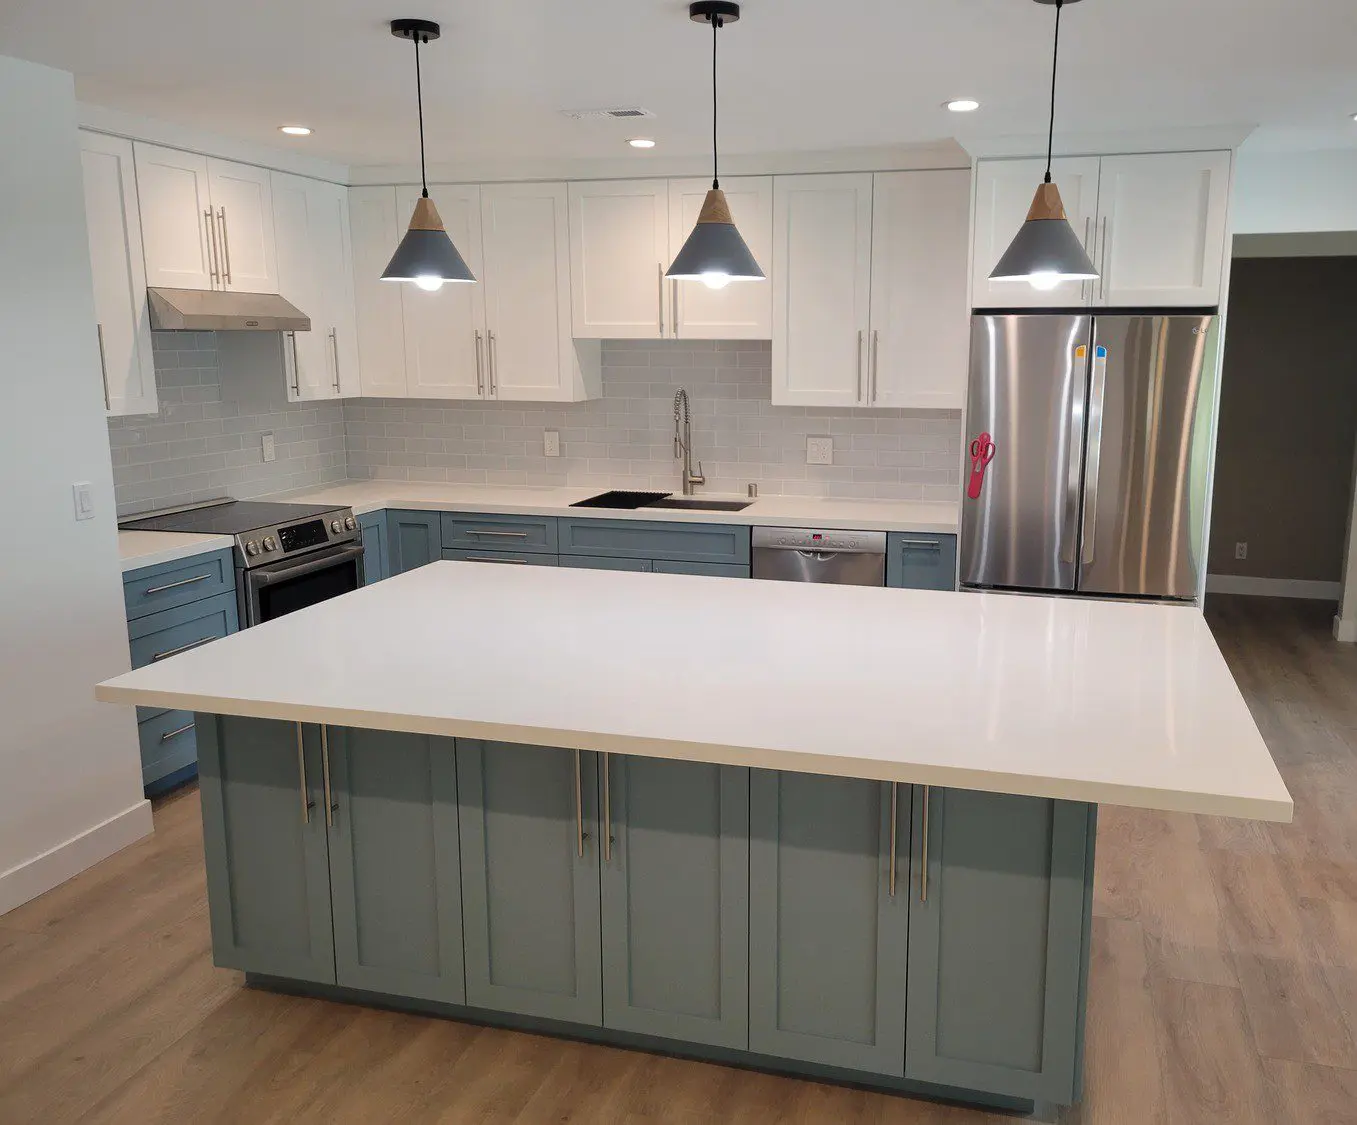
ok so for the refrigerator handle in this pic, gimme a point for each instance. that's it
(1074, 463)
(1095, 449)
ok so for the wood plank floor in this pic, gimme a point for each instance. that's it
(1224, 977)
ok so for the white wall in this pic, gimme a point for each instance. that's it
(1286, 192)
(70, 779)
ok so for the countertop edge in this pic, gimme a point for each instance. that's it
(174, 554)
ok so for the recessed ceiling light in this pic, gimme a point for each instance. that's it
(962, 105)
(295, 130)
(640, 142)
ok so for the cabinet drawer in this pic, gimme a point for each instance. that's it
(512, 558)
(154, 588)
(920, 561)
(162, 635)
(500, 533)
(603, 562)
(711, 570)
(168, 743)
(670, 542)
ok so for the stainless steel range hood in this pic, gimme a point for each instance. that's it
(212, 310)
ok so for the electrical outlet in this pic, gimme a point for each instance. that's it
(1241, 550)
(84, 500)
(819, 451)
(551, 443)
(266, 444)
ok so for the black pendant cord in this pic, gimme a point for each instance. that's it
(1055, 65)
(419, 100)
(715, 166)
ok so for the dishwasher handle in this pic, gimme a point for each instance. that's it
(811, 542)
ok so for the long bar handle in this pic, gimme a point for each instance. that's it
(659, 273)
(225, 246)
(334, 343)
(927, 544)
(159, 656)
(1102, 258)
(169, 734)
(876, 362)
(607, 808)
(296, 367)
(923, 864)
(895, 812)
(1095, 451)
(492, 352)
(480, 367)
(859, 390)
(579, 808)
(1086, 287)
(211, 227)
(301, 769)
(176, 585)
(482, 534)
(103, 365)
(330, 806)
(494, 559)
(673, 308)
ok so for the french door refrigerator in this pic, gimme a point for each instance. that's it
(1089, 449)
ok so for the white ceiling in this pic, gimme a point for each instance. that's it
(796, 75)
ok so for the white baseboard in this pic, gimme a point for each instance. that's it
(43, 872)
(1345, 631)
(1274, 587)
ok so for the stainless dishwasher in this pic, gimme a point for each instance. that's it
(844, 558)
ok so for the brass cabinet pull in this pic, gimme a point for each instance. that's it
(225, 247)
(607, 809)
(301, 768)
(330, 806)
(923, 865)
(579, 808)
(895, 801)
(176, 585)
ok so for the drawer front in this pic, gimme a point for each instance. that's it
(500, 533)
(671, 542)
(154, 588)
(920, 561)
(510, 558)
(161, 635)
(603, 562)
(710, 570)
(168, 743)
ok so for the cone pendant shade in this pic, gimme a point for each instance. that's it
(426, 254)
(715, 252)
(1046, 250)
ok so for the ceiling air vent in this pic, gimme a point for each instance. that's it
(623, 112)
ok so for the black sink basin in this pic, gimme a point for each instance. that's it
(621, 499)
(699, 504)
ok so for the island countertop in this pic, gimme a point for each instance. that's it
(1116, 703)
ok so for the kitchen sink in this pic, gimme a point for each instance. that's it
(699, 504)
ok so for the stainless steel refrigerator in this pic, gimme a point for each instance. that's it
(1088, 453)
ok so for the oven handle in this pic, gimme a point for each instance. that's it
(267, 576)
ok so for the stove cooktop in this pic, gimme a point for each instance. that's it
(231, 517)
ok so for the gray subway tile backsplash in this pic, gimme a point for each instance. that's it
(204, 446)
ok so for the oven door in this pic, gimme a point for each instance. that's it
(285, 587)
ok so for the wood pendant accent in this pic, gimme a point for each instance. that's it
(426, 215)
(715, 209)
(1047, 204)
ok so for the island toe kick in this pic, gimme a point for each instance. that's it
(920, 940)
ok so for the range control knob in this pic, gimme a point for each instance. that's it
(270, 543)
(350, 523)
(252, 548)
(336, 526)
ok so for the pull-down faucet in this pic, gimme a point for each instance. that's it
(683, 443)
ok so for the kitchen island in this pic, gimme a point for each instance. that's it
(835, 831)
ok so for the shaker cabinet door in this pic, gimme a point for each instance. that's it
(619, 250)
(177, 220)
(242, 201)
(375, 230)
(413, 539)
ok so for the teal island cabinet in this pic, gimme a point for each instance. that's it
(916, 939)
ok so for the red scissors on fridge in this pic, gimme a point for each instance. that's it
(982, 453)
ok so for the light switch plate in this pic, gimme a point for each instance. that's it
(551, 443)
(819, 451)
(266, 442)
(84, 500)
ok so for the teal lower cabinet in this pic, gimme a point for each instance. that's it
(916, 561)
(413, 539)
(827, 938)
(530, 880)
(508, 558)
(676, 899)
(603, 562)
(1000, 896)
(710, 570)
(264, 840)
(376, 553)
(395, 879)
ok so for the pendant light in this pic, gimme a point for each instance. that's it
(1046, 250)
(426, 254)
(715, 254)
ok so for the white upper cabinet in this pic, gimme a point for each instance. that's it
(1162, 223)
(822, 272)
(1003, 195)
(375, 231)
(123, 322)
(178, 224)
(315, 273)
(243, 204)
(920, 342)
(619, 239)
(206, 223)
(445, 342)
(742, 310)
(530, 355)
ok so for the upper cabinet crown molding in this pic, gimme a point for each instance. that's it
(1154, 224)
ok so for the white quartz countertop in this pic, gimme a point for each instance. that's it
(1084, 700)
(777, 511)
(150, 548)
